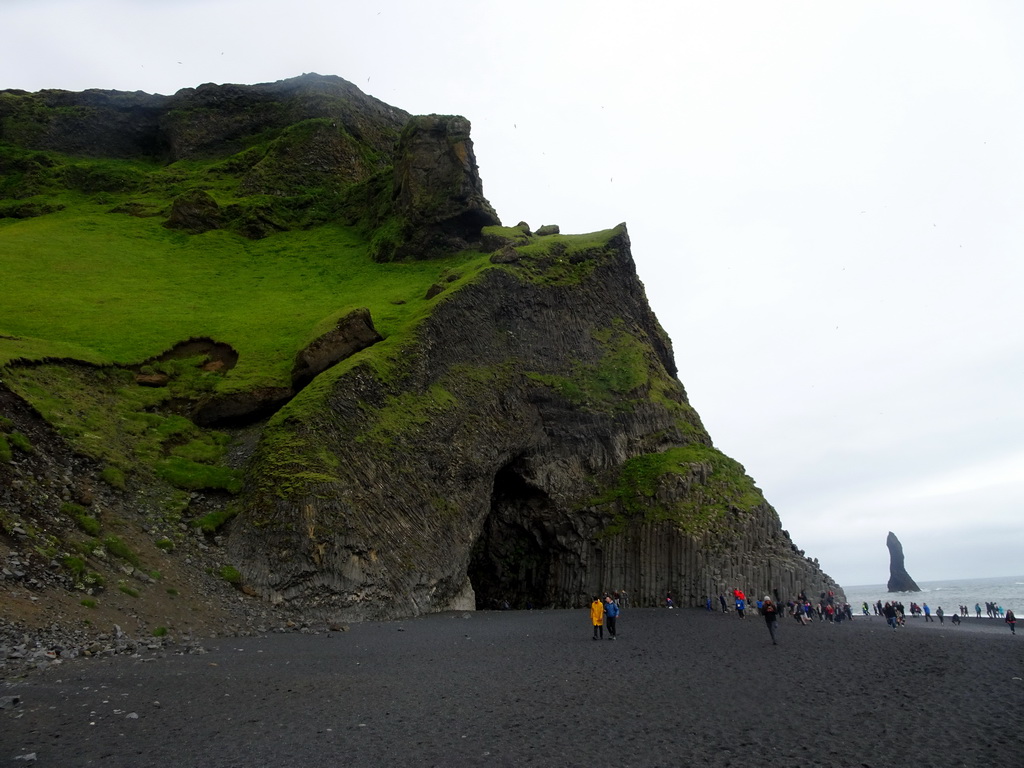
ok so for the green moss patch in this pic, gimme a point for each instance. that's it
(183, 473)
(105, 414)
(116, 547)
(717, 485)
(623, 374)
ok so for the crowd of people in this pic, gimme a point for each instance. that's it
(604, 611)
(895, 613)
(800, 608)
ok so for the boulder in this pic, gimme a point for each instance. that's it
(353, 332)
(194, 212)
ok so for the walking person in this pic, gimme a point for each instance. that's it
(597, 617)
(889, 611)
(927, 612)
(611, 613)
(1012, 621)
(771, 617)
(741, 601)
(939, 612)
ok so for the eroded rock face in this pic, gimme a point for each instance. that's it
(242, 407)
(473, 467)
(899, 579)
(319, 154)
(437, 187)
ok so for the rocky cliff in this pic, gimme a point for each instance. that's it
(511, 430)
(531, 445)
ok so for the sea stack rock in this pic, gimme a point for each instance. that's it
(899, 579)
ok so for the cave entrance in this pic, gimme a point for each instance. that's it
(511, 561)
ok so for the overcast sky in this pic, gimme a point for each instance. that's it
(825, 200)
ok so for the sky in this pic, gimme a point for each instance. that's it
(824, 201)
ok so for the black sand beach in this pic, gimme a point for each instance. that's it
(678, 688)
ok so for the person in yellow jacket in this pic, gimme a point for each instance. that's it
(597, 617)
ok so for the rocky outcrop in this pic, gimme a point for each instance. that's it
(899, 579)
(353, 333)
(437, 189)
(532, 446)
(217, 119)
(195, 212)
(211, 120)
(239, 408)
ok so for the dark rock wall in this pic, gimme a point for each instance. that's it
(454, 478)
(91, 123)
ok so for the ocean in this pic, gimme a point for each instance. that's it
(1007, 591)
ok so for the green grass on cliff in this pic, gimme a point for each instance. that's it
(99, 279)
(93, 275)
(103, 287)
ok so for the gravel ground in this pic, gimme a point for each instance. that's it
(678, 687)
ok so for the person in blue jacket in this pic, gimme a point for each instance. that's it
(611, 613)
(741, 601)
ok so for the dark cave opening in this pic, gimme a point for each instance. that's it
(511, 561)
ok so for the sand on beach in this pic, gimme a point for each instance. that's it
(531, 688)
